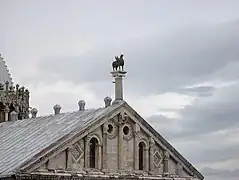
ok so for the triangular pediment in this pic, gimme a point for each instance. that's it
(107, 127)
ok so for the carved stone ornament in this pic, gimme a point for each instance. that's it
(137, 128)
(127, 132)
(151, 142)
(16, 99)
(137, 135)
(166, 155)
(123, 117)
(110, 129)
(77, 153)
(157, 158)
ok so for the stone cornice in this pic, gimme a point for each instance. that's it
(96, 176)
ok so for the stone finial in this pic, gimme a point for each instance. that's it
(57, 109)
(81, 104)
(34, 112)
(107, 101)
(13, 116)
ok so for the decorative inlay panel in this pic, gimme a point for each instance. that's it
(157, 158)
(77, 152)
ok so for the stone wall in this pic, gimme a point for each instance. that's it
(118, 149)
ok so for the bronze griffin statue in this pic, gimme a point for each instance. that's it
(118, 64)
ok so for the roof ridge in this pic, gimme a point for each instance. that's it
(62, 113)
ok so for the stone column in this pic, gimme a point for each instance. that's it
(118, 88)
(120, 147)
(87, 151)
(146, 159)
(6, 113)
(69, 158)
(151, 154)
(99, 156)
(104, 159)
(166, 163)
(136, 146)
(136, 152)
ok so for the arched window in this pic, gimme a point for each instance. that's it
(93, 152)
(141, 155)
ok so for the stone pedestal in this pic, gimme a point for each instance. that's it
(118, 75)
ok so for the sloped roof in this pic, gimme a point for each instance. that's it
(21, 140)
(4, 73)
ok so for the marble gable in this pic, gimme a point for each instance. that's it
(119, 143)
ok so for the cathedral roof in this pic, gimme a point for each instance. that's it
(4, 73)
(22, 140)
(26, 141)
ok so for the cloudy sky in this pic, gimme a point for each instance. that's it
(181, 56)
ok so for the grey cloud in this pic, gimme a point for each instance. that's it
(215, 174)
(198, 124)
(156, 64)
(208, 149)
(214, 113)
(201, 91)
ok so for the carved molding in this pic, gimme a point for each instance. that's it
(127, 132)
(144, 140)
(110, 129)
(94, 135)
